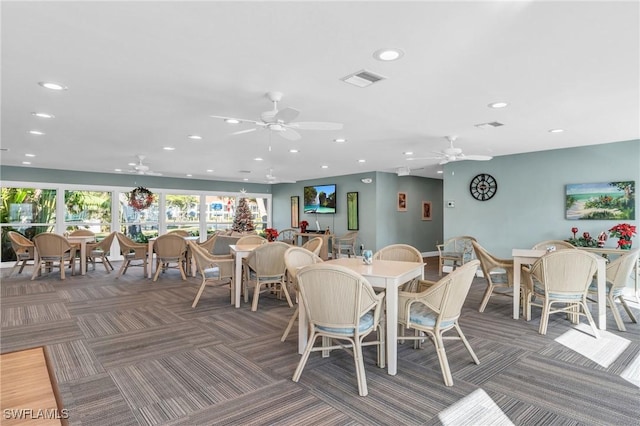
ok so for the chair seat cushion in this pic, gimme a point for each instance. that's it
(593, 288)
(452, 255)
(539, 289)
(253, 277)
(366, 322)
(420, 314)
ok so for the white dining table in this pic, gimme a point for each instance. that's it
(528, 257)
(387, 274)
(150, 262)
(239, 252)
(82, 241)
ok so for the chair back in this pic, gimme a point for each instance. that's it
(297, 257)
(399, 252)
(488, 262)
(314, 245)
(558, 244)
(82, 233)
(21, 245)
(209, 243)
(461, 245)
(565, 272)
(251, 240)
(347, 238)
(267, 260)
(51, 245)
(619, 270)
(105, 244)
(456, 289)
(205, 260)
(170, 246)
(127, 245)
(180, 232)
(288, 236)
(337, 297)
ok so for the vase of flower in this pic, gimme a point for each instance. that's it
(303, 226)
(623, 232)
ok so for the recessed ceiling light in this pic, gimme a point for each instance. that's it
(209, 170)
(189, 175)
(439, 172)
(196, 137)
(29, 155)
(36, 132)
(258, 159)
(498, 105)
(362, 161)
(231, 121)
(324, 166)
(293, 151)
(26, 162)
(340, 140)
(388, 54)
(117, 170)
(131, 164)
(52, 86)
(43, 115)
(556, 130)
(245, 179)
(169, 148)
(408, 153)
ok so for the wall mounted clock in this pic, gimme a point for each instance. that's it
(483, 187)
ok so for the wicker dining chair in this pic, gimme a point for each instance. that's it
(54, 251)
(214, 270)
(314, 245)
(457, 250)
(170, 249)
(294, 259)
(23, 248)
(341, 305)
(288, 236)
(558, 244)
(101, 250)
(497, 272)
(132, 251)
(437, 310)
(265, 266)
(345, 243)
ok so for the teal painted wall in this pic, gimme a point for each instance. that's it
(529, 205)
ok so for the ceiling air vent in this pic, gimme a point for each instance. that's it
(489, 125)
(362, 78)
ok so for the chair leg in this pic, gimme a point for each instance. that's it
(62, 266)
(123, 268)
(360, 374)
(544, 318)
(626, 308)
(290, 325)
(442, 358)
(256, 295)
(466, 344)
(184, 277)
(616, 314)
(305, 357)
(158, 269)
(487, 295)
(584, 306)
(195, 301)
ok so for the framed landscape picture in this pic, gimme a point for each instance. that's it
(352, 211)
(602, 200)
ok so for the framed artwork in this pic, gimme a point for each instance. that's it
(352, 211)
(426, 210)
(295, 211)
(402, 201)
(601, 201)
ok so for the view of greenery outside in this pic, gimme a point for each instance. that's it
(33, 210)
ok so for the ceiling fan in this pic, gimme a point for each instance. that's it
(452, 154)
(271, 178)
(143, 169)
(281, 121)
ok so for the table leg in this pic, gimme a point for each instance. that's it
(237, 282)
(517, 265)
(150, 259)
(83, 257)
(392, 329)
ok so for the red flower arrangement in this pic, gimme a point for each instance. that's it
(624, 232)
(140, 198)
(271, 234)
(303, 226)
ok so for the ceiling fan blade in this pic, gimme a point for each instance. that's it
(286, 115)
(239, 132)
(153, 174)
(290, 134)
(316, 125)
(242, 120)
(476, 157)
(425, 158)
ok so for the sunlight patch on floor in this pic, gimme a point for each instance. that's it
(632, 372)
(477, 408)
(603, 351)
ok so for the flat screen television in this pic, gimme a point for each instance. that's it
(320, 199)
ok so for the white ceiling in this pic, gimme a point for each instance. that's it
(144, 75)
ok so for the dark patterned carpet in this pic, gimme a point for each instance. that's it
(132, 352)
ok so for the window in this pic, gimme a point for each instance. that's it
(88, 210)
(139, 225)
(183, 212)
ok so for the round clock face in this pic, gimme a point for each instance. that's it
(483, 187)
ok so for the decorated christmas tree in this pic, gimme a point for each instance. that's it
(242, 221)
